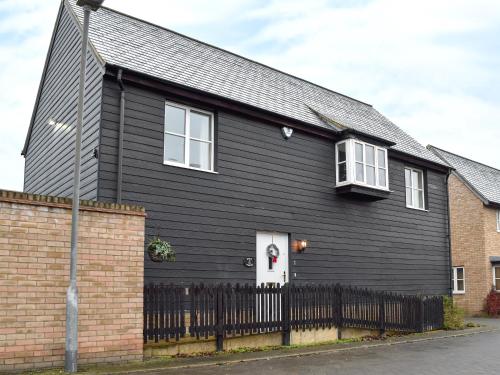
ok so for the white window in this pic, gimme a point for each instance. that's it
(498, 220)
(415, 194)
(188, 139)
(361, 163)
(459, 280)
(496, 278)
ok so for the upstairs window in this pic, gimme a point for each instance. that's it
(188, 139)
(498, 220)
(342, 162)
(458, 280)
(414, 181)
(361, 163)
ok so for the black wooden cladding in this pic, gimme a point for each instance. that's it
(50, 154)
(266, 183)
(236, 310)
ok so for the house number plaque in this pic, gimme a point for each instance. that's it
(249, 262)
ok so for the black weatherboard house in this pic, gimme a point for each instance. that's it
(240, 166)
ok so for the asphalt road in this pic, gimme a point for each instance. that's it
(472, 355)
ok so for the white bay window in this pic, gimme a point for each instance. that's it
(361, 163)
(188, 139)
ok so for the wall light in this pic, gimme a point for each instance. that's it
(300, 246)
(286, 132)
(92, 4)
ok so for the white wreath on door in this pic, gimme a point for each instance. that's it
(273, 251)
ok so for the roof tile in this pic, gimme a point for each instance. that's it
(137, 45)
(483, 178)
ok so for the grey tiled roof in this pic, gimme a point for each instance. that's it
(484, 179)
(137, 45)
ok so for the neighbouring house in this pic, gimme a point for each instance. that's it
(474, 193)
(253, 175)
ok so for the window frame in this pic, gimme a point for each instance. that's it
(455, 279)
(498, 220)
(412, 189)
(346, 162)
(187, 136)
(351, 164)
(493, 268)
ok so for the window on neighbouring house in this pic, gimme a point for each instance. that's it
(361, 163)
(496, 278)
(415, 193)
(188, 140)
(458, 280)
(498, 220)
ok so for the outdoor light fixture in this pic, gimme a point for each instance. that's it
(286, 132)
(71, 348)
(300, 246)
(92, 4)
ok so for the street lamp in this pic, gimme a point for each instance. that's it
(71, 353)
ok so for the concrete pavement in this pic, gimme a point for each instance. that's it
(474, 351)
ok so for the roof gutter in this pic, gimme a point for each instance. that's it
(121, 129)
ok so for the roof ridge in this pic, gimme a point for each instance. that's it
(234, 54)
(463, 157)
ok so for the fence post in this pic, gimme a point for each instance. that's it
(220, 319)
(441, 312)
(285, 313)
(420, 314)
(339, 314)
(381, 312)
(145, 307)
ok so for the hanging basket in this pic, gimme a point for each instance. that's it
(154, 256)
(160, 251)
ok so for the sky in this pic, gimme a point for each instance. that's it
(432, 67)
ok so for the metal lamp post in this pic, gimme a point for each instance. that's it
(71, 353)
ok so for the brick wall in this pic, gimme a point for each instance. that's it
(473, 228)
(492, 241)
(467, 243)
(34, 273)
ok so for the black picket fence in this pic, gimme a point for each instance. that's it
(203, 311)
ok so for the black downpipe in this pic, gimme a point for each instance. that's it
(119, 177)
(450, 292)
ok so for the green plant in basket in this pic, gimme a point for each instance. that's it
(160, 251)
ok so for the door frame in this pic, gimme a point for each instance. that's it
(290, 252)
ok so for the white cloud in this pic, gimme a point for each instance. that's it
(181, 13)
(414, 61)
(25, 30)
(418, 62)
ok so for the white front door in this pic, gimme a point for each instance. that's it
(272, 258)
